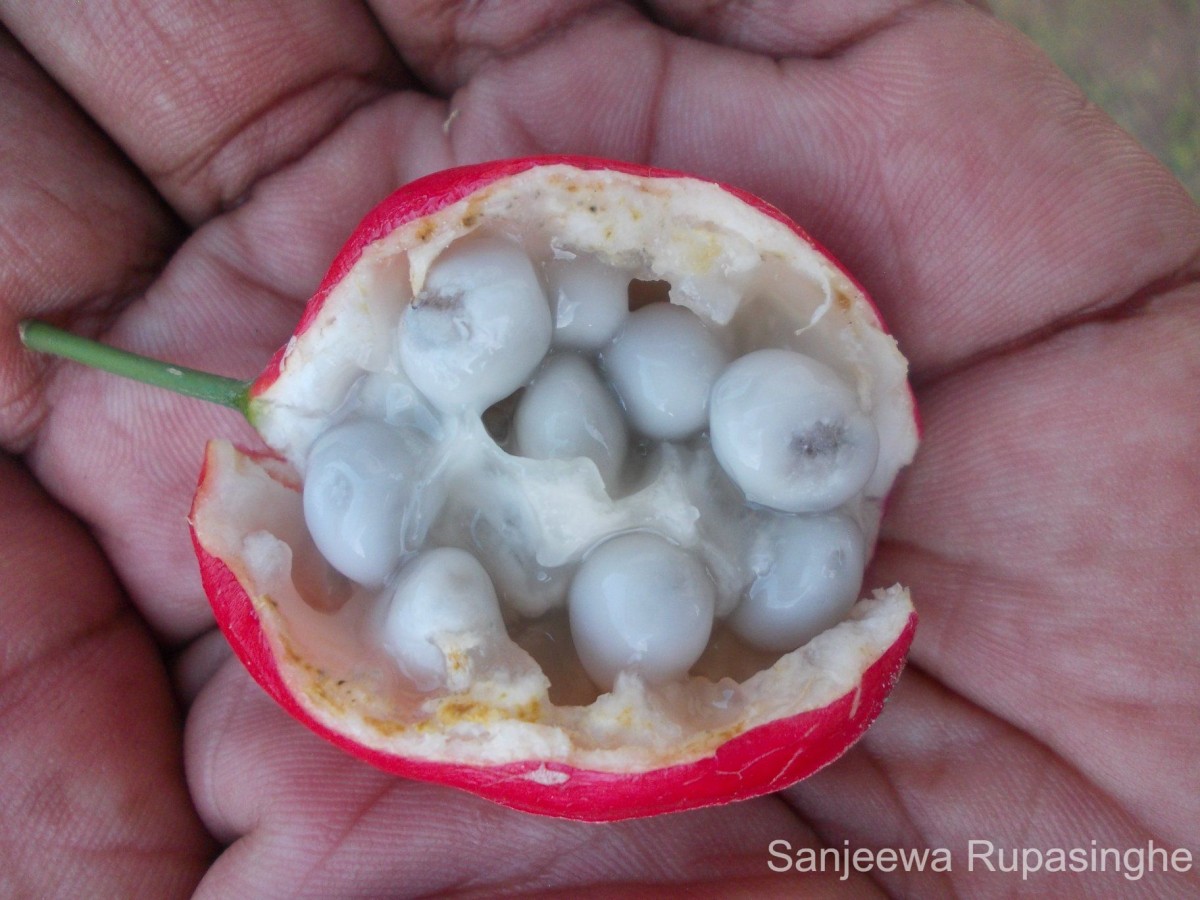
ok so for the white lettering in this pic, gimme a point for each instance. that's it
(1079, 860)
(864, 859)
(1031, 861)
(975, 852)
(781, 850)
(806, 860)
(1133, 863)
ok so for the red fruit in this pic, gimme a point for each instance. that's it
(724, 733)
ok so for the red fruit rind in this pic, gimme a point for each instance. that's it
(503, 739)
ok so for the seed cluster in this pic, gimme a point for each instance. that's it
(414, 498)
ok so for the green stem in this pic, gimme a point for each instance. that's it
(214, 388)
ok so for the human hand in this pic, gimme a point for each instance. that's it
(1037, 268)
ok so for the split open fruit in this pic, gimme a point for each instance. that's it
(574, 468)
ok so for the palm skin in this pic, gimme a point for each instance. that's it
(180, 194)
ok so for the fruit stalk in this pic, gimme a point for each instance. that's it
(45, 338)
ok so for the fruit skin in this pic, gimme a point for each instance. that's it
(761, 760)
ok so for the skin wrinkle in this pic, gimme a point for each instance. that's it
(896, 18)
(77, 650)
(52, 654)
(317, 865)
(202, 775)
(195, 163)
(198, 166)
(24, 414)
(897, 796)
(657, 94)
(1135, 304)
(65, 212)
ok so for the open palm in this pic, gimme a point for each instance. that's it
(176, 177)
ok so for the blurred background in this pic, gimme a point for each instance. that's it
(1137, 59)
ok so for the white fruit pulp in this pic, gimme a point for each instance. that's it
(408, 493)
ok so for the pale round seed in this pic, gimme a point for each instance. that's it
(790, 433)
(568, 413)
(441, 592)
(808, 571)
(590, 300)
(365, 501)
(640, 604)
(662, 364)
(479, 327)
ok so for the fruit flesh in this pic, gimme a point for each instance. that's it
(298, 405)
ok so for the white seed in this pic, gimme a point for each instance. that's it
(567, 413)
(640, 604)
(790, 433)
(590, 301)
(443, 591)
(365, 502)
(808, 573)
(479, 328)
(663, 363)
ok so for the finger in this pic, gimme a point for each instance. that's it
(92, 794)
(315, 822)
(1048, 530)
(79, 232)
(207, 98)
(445, 42)
(937, 778)
(942, 159)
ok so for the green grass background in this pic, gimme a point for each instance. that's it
(1137, 59)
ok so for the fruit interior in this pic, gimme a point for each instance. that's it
(752, 280)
